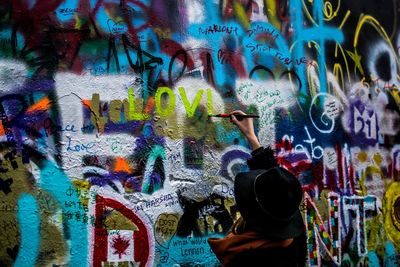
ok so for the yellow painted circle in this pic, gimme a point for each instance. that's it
(392, 213)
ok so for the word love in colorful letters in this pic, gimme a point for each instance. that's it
(133, 109)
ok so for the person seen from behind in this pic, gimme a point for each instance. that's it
(270, 231)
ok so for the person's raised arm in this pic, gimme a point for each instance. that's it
(262, 158)
(246, 126)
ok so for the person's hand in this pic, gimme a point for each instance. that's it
(246, 126)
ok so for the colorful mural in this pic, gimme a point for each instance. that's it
(108, 156)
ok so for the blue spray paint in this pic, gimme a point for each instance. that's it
(29, 221)
(194, 251)
(319, 34)
(224, 75)
(373, 260)
(390, 255)
(67, 10)
(252, 48)
(151, 177)
(55, 182)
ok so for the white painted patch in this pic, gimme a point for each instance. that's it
(330, 158)
(71, 90)
(12, 76)
(120, 246)
(195, 11)
(266, 96)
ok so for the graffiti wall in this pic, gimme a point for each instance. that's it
(108, 156)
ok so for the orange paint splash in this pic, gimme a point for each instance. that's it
(121, 165)
(41, 105)
(2, 132)
(150, 104)
(87, 103)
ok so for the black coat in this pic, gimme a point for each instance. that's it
(292, 256)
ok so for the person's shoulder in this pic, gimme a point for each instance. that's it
(256, 258)
(290, 256)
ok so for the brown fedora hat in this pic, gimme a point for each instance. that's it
(269, 202)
